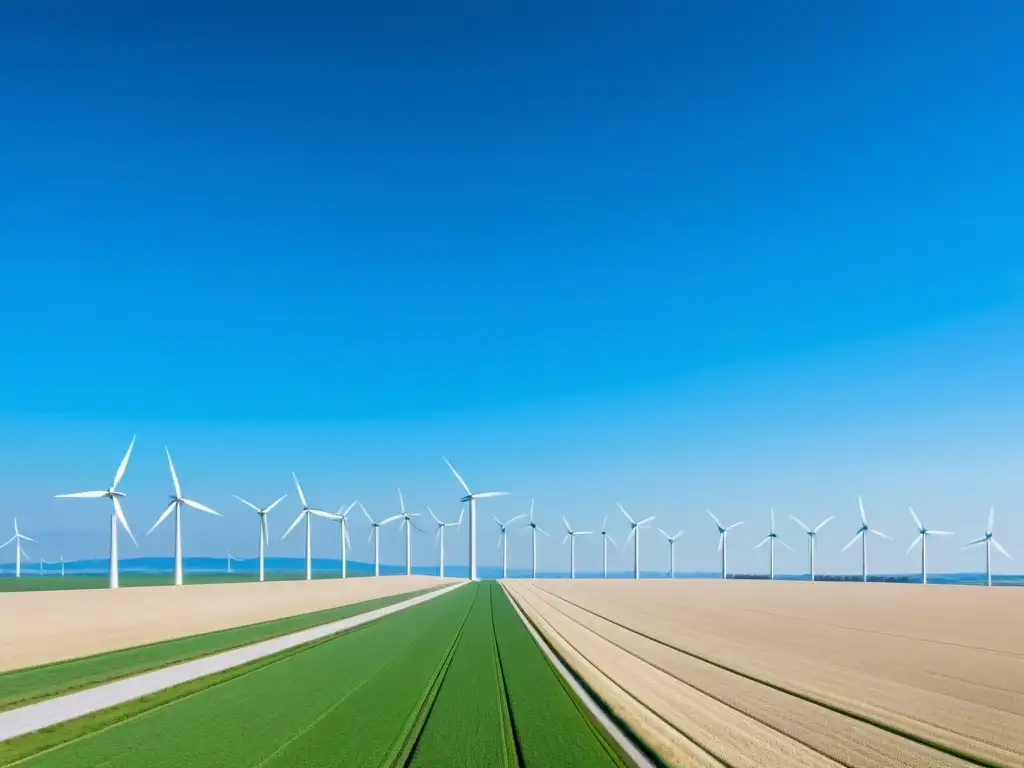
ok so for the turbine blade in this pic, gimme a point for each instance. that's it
(82, 495)
(391, 519)
(499, 540)
(324, 515)
(999, 546)
(611, 540)
(662, 532)
(8, 541)
(531, 510)
(801, 523)
(916, 518)
(491, 494)
(124, 464)
(721, 538)
(734, 525)
(631, 520)
(566, 538)
(174, 475)
(28, 538)
(823, 523)
(974, 543)
(991, 519)
(247, 503)
(940, 533)
(567, 526)
(458, 477)
(401, 500)
(416, 527)
(543, 531)
(121, 519)
(851, 542)
(679, 533)
(772, 528)
(200, 507)
(604, 525)
(302, 496)
(263, 527)
(497, 521)
(348, 539)
(863, 517)
(434, 516)
(461, 513)
(763, 541)
(784, 544)
(632, 532)
(879, 533)
(517, 517)
(914, 543)
(646, 520)
(275, 503)
(292, 526)
(162, 517)
(717, 521)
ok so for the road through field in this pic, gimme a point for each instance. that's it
(735, 667)
(59, 625)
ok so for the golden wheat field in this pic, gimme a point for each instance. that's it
(758, 674)
(51, 626)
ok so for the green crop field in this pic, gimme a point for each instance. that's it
(30, 582)
(23, 686)
(452, 682)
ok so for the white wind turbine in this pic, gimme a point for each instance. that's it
(43, 562)
(634, 533)
(440, 535)
(18, 551)
(307, 512)
(863, 532)
(176, 501)
(922, 536)
(375, 535)
(471, 498)
(605, 538)
(534, 528)
(570, 536)
(503, 541)
(812, 534)
(770, 539)
(264, 535)
(671, 551)
(989, 542)
(408, 525)
(723, 541)
(346, 542)
(116, 517)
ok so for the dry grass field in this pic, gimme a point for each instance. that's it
(758, 674)
(43, 627)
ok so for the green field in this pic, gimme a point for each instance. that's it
(455, 681)
(23, 686)
(34, 582)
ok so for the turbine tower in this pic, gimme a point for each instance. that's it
(770, 539)
(62, 565)
(229, 561)
(18, 551)
(723, 541)
(408, 525)
(471, 498)
(264, 536)
(989, 542)
(671, 551)
(812, 534)
(922, 536)
(605, 538)
(570, 536)
(503, 541)
(634, 533)
(117, 516)
(307, 512)
(176, 501)
(375, 535)
(863, 532)
(346, 542)
(440, 535)
(535, 528)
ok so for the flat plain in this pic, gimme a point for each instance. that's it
(58, 625)
(755, 673)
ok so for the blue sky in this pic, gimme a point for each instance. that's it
(695, 255)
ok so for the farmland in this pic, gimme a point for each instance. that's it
(31, 582)
(795, 674)
(55, 626)
(454, 681)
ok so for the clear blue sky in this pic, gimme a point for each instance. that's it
(684, 255)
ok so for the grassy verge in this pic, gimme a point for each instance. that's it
(24, 686)
(347, 700)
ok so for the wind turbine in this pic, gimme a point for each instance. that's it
(346, 542)
(229, 561)
(43, 562)
(440, 534)
(922, 536)
(605, 538)
(264, 535)
(375, 535)
(117, 516)
(18, 551)
(723, 541)
(770, 539)
(307, 512)
(863, 532)
(812, 534)
(408, 525)
(989, 542)
(503, 541)
(570, 536)
(671, 551)
(532, 525)
(634, 533)
(62, 565)
(471, 498)
(176, 501)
